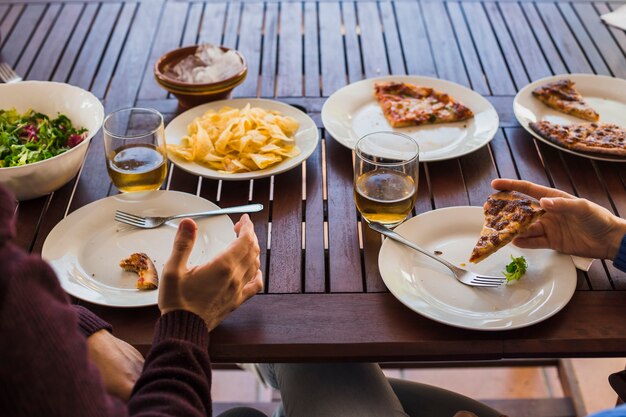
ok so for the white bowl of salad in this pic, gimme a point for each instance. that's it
(45, 129)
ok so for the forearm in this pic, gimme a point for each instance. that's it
(176, 380)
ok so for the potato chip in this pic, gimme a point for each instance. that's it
(239, 140)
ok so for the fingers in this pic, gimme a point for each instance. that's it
(534, 230)
(183, 245)
(538, 242)
(253, 287)
(528, 188)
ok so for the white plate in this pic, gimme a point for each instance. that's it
(307, 137)
(607, 95)
(428, 288)
(85, 248)
(353, 112)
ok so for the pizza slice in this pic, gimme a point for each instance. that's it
(562, 96)
(141, 264)
(602, 138)
(507, 214)
(406, 104)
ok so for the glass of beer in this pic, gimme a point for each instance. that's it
(385, 177)
(134, 143)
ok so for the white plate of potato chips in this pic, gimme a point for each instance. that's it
(241, 139)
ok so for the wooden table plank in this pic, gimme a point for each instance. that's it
(212, 24)
(270, 51)
(548, 47)
(192, 27)
(344, 267)
(478, 171)
(73, 47)
(289, 82)
(446, 180)
(17, 38)
(336, 327)
(585, 42)
(285, 272)
(511, 55)
(250, 47)
(618, 34)
(446, 55)
(333, 64)
(114, 46)
(107, 19)
(314, 259)
(37, 38)
(351, 43)
(468, 51)
(9, 21)
(569, 49)
(418, 53)
(49, 56)
(231, 28)
(392, 39)
(602, 38)
(533, 58)
(494, 63)
(312, 85)
(164, 41)
(372, 43)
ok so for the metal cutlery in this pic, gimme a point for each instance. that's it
(150, 222)
(464, 276)
(7, 74)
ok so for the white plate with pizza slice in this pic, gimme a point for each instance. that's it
(352, 112)
(606, 95)
(85, 248)
(428, 288)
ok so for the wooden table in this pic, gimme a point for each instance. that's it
(324, 298)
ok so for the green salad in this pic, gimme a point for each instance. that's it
(31, 137)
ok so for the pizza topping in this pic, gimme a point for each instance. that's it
(141, 264)
(406, 104)
(507, 214)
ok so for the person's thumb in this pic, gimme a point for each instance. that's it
(183, 244)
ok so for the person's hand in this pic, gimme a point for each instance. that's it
(571, 225)
(119, 363)
(218, 287)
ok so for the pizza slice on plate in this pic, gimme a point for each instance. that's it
(507, 214)
(406, 104)
(600, 138)
(562, 96)
(141, 264)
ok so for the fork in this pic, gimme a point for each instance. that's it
(147, 222)
(466, 277)
(7, 74)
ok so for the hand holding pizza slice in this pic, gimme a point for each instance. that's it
(507, 215)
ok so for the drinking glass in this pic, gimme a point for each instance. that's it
(136, 154)
(386, 176)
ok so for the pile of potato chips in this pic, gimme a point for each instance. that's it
(238, 140)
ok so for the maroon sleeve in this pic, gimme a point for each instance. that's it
(88, 322)
(176, 380)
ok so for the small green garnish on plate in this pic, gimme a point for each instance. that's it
(515, 269)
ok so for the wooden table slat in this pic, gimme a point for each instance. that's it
(250, 47)
(23, 26)
(74, 45)
(289, 82)
(392, 39)
(312, 86)
(351, 43)
(314, 260)
(333, 64)
(446, 54)
(542, 35)
(418, 53)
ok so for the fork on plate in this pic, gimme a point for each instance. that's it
(7, 74)
(466, 277)
(150, 222)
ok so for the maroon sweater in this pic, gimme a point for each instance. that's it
(44, 367)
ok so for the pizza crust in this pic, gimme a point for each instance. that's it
(141, 264)
(406, 104)
(602, 138)
(507, 214)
